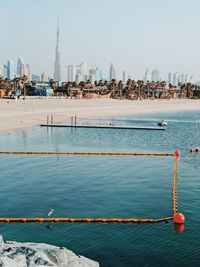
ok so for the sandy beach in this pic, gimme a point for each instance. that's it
(27, 113)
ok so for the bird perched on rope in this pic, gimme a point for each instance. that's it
(50, 212)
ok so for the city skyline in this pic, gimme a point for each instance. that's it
(161, 40)
(82, 72)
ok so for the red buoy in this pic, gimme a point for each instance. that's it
(177, 153)
(179, 218)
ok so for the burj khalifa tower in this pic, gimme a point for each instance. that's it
(57, 68)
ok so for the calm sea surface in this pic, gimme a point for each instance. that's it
(76, 186)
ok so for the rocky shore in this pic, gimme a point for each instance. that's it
(15, 254)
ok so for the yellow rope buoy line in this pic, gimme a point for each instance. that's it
(175, 206)
(83, 220)
(85, 153)
(176, 155)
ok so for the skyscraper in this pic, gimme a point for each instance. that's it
(78, 74)
(124, 76)
(20, 67)
(44, 76)
(98, 74)
(11, 69)
(83, 71)
(191, 80)
(112, 72)
(146, 76)
(155, 77)
(71, 72)
(182, 76)
(5, 71)
(175, 79)
(57, 69)
(92, 75)
(27, 71)
(170, 77)
(186, 78)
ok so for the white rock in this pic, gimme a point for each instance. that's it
(15, 254)
(1, 242)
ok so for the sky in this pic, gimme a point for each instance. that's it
(132, 34)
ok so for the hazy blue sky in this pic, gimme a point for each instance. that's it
(133, 34)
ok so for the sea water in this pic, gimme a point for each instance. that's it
(106, 186)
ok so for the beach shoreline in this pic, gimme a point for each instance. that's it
(21, 114)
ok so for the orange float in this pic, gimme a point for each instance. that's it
(177, 153)
(179, 218)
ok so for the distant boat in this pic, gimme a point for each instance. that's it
(162, 123)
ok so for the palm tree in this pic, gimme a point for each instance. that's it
(113, 85)
(81, 85)
(120, 87)
(24, 78)
(184, 88)
(74, 84)
(188, 89)
(53, 85)
(16, 84)
(105, 83)
(7, 86)
(140, 87)
(148, 86)
(129, 83)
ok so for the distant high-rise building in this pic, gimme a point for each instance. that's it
(147, 75)
(44, 77)
(83, 71)
(178, 79)
(112, 72)
(170, 77)
(35, 77)
(92, 75)
(5, 71)
(71, 73)
(10, 69)
(27, 71)
(1, 71)
(78, 74)
(20, 67)
(155, 75)
(124, 76)
(57, 68)
(191, 79)
(186, 78)
(98, 74)
(175, 79)
(182, 78)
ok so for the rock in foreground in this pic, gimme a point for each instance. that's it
(14, 254)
